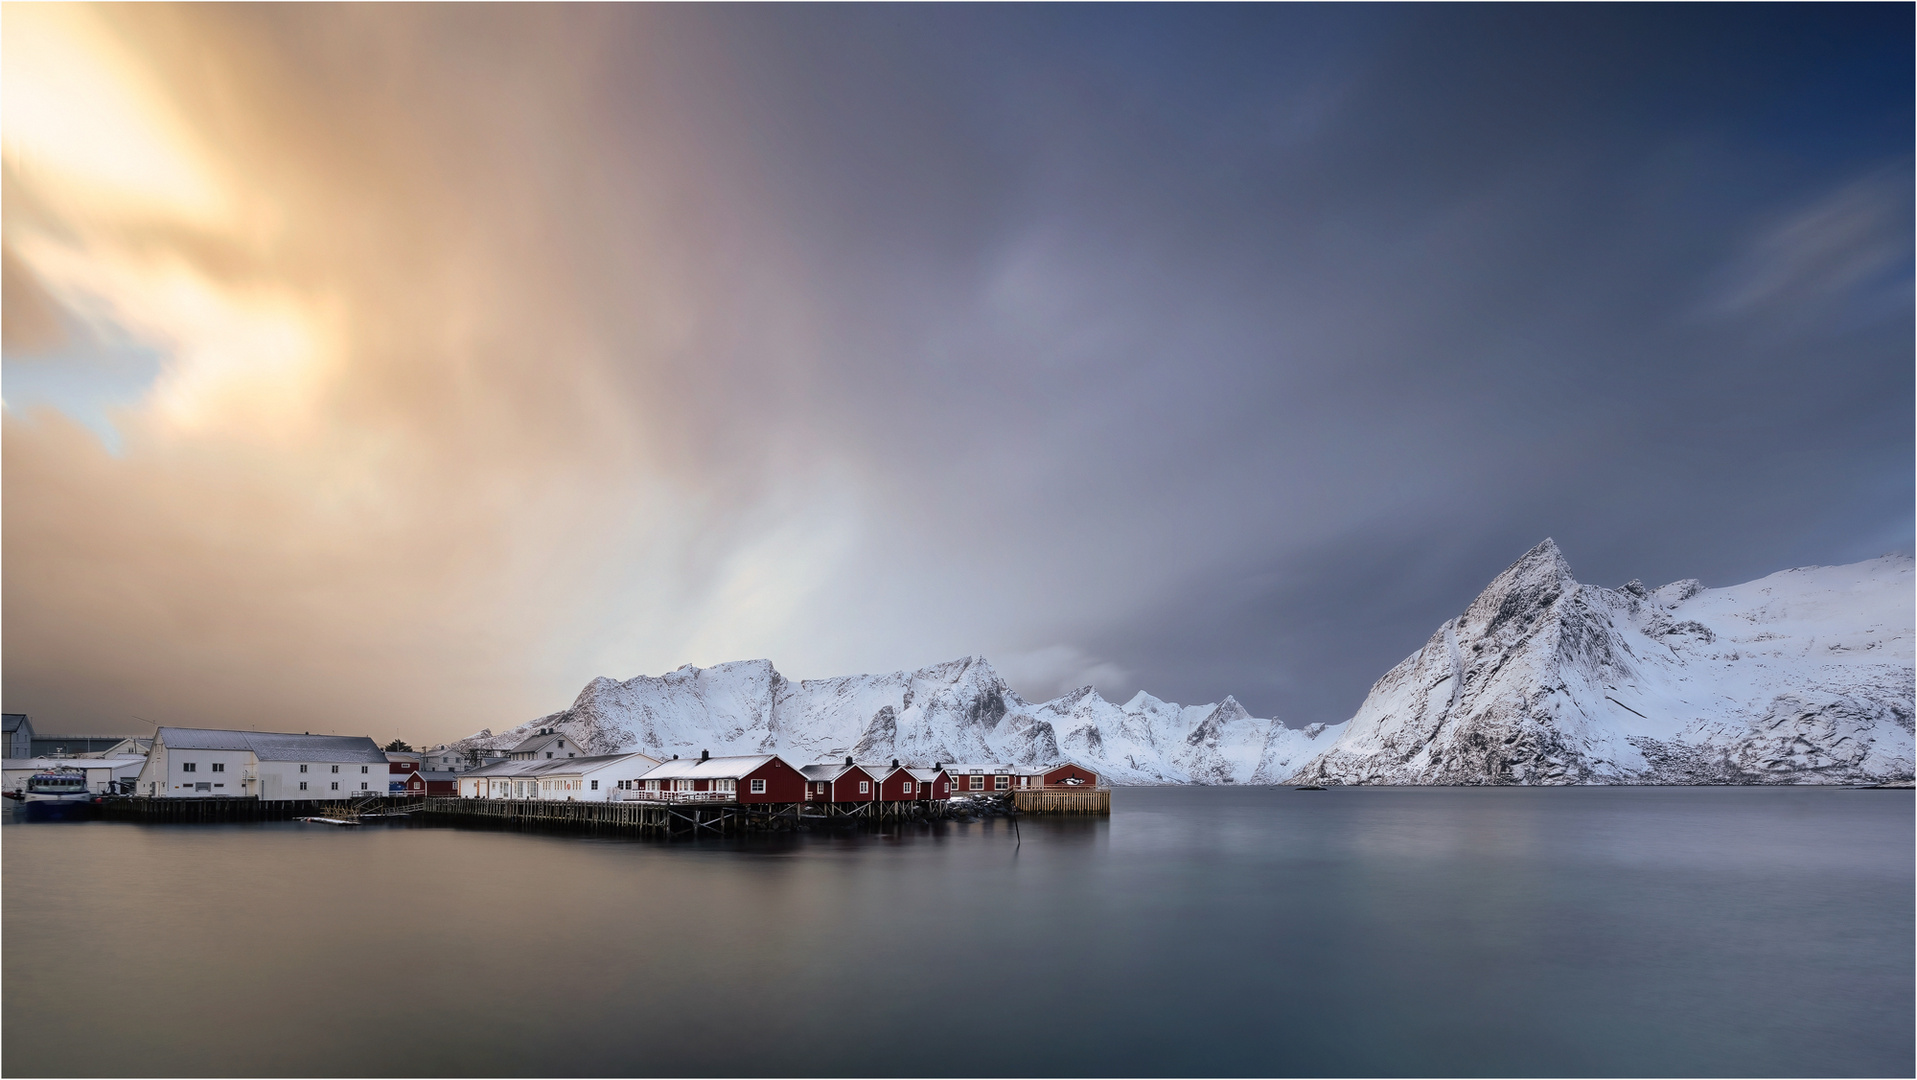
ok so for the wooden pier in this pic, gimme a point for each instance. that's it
(1096, 800)
(633, 817)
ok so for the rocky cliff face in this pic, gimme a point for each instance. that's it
(956, 712)
(1805, 676)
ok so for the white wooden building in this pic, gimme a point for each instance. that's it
(578, 779)
(268, 765)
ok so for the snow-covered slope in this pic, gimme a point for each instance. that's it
(956, 712)
(1805, 676)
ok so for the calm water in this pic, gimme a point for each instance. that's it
(1267, 931)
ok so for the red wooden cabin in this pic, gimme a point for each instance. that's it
(839, 783)
(934, 784)
(1066, 775)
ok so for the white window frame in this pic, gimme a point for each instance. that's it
(758, 787)
(865, 787)
(978, 782)
(336, 785)
(1001, 782)
(908, 787)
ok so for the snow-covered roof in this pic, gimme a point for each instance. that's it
(718, 768)
(276, 745)
(436, 775)
(509, 768)
(927, 775)
(581, 764)
(829, 771)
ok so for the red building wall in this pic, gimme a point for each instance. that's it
(783, 783)
(1058, 776)
(846, 787)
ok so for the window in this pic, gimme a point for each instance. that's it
(978, 783)
(1000, 783)
(219, 766)
(302, 769)
(336, 769)
(595, 785)
(549, 753)
(758, 787)
(362, 768)
(302, 782)
(865, 787)
(336, 785)
(908, 787)
(188, 766)
(219, 785)
(362, 785)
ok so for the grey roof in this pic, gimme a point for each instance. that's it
(276, 745)
(534, 742)
(506, 768)
(14, 721)
(584, 764)
(76, 744)
(436, 775)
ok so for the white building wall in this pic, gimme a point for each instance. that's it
(281, 780)
(197, 773)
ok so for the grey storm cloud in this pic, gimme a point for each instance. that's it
(1197, 350)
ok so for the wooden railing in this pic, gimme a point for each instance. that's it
(678, 796)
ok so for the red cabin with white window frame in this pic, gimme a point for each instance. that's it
(1065, 776)
(756, 778)
(896, 783)
(839, 783)
(934, 784)
(982, 779)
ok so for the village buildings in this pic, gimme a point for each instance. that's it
(270, 766)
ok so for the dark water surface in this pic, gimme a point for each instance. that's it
(1235, 931)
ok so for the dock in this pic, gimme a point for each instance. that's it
(698, 816)
(1095, 800)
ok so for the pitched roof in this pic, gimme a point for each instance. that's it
(927, 775)
(276, 745)
(13, 721)
(828, 771)
(719, 768)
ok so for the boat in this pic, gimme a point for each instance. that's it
(59, 792)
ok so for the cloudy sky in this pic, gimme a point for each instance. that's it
(395, 370)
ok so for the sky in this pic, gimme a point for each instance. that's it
(395, 370)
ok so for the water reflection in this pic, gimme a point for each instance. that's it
(1236, 931)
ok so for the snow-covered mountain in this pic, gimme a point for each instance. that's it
(1805, 676)
(955, 712)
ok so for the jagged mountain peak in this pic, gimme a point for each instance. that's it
(957, 711)
(1535, 581)
(1800, 677)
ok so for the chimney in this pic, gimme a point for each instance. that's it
(848, 760)
(895, 763)
(705, 755)
(937, 765)
(675, 757)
